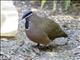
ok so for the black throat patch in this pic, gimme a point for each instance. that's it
(27, 18)
(27, 23)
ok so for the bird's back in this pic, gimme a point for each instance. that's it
(51, 28)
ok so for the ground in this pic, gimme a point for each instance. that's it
(65, 48)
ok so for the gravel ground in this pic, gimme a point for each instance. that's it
(65, 48)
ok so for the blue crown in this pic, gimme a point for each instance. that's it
(26, 15)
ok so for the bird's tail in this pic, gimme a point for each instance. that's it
(64, 34)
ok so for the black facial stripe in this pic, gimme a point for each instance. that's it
(27, 15)
(27, 24)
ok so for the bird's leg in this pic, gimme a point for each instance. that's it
(45, 48)
(49, 47)
(37, 46)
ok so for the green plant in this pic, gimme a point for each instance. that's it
(42, 3)
(67, 4)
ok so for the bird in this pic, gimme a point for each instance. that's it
(41, 30)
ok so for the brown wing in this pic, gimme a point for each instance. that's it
(51, 28)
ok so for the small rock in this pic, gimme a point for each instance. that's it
(60, 41)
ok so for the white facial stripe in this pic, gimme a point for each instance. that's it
(28, 15)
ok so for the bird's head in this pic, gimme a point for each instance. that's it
(26, 16)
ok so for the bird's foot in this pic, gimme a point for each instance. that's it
(44, 48)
